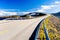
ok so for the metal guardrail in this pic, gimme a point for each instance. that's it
(46, 32)
(35, 33)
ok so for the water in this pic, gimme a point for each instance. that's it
(1, 18)
(58, 16)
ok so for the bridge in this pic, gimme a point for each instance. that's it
(19, 29)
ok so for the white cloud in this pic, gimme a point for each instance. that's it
(57, 2)
(4, 13)
(25, 12)
(40, 11)
(44, 8)
(52, 8)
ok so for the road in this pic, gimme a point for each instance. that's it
(18, 29)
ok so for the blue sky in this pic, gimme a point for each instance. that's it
(23, 5)
(26, 6)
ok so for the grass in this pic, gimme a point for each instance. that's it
(53, 33)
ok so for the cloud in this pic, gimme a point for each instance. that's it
(40, 10)
(52, 8)
(25, 12)
(57, 2)
(4, 13)
(45, 7)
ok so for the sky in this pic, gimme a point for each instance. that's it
(19, 7)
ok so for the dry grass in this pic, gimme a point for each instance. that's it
(53, 26)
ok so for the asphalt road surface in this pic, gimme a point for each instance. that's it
(18, 29)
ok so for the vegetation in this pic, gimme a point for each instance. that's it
(41, 34)
(22, 17)
(53, 27)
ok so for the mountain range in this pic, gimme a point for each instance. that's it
(56, 14)
(26, 16)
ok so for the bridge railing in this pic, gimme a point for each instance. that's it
(35, 34)
(46, 32)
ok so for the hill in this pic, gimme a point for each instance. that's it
(57, 14)
(26, 16)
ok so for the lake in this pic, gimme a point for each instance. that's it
(1, 18)
(58, 16)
